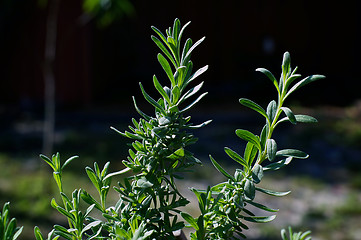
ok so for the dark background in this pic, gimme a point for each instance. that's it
(102, 66)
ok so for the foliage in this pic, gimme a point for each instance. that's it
(149, 201)
(224, 206)
(8, 228)
(295, 235)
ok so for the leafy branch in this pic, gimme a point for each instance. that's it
(223, 206)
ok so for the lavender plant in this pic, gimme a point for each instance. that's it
(224, 207)
(149, 200)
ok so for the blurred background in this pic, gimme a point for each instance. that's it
(73, 66)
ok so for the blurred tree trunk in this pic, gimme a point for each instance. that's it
(49, 76)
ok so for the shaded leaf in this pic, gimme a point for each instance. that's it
(272, 193)
(249, 137)
(254, 106)
(291, 117)
(269, 75)
(235, 156)
(277, 165)
(292, 153)
(271, 149)
(220, 169)
(257, 173)
(249, 189)
(260, 219)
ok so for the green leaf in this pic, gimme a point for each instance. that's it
(193, 47)
(175, 94)
(152, 101)
(48, 161)
(271, 149)
(260, 219)
(10, 228)
(38, 234)
(164, 50)
(166, 68)
(160, 89)
(277, 165)
(284, 235)
(257, 173)
(191, 92)
(269, 75)
(199, 125)
(249, 137)
(197, 73)
(193, 103)
(250, 153)
(190, 220)
(263, 207)
(305, 119)
(186, 48)
(286, 64)
(146, 117)
(264, 135)
(303, 82)
(177, 154)
(91, 225)
(236, 157)
(300, 119)
(272, 111)
(249, 189)
(160, 34)
(93, 178)
(68, 161)
(292, 153)
(254, 106)
(272, 193)
(291, 117)
(220, 169)
(176, 29)
(181, 32)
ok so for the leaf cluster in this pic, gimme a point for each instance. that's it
(8, 228)
(295, 235)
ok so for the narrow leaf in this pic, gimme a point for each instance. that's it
(303, 82)
(152, 101)
(249, 137)
(260, 219)
(190, 220)
(254, 106)
(68, 161)
(291, 117)
(277, 165)
(220, 169)
(272, 193)
(263, 207)
(193, 103)
(269, 75)
(164, 50)
(193, 47)
(236, 157)
(292, 153)
(160, 89)
(166, 68)
(146, 117)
